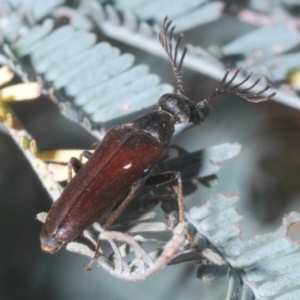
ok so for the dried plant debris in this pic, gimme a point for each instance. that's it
(123, 244)
(24, 92)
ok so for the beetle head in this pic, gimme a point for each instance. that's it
(182, 109)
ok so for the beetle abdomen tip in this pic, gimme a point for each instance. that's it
(49, 243)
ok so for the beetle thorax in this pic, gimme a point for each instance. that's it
(160, 124)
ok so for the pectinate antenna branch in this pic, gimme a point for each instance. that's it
(223, 88)
(165, 38)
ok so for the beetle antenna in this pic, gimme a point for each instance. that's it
(223, 88)
(165, 38)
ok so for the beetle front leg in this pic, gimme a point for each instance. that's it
(76, 164)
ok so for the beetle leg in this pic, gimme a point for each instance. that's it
(86, 154)
(160, 198)
(76, 164)
(165, 178)
(116, 213)
(162, 178)
(178, 191)
(176, 188)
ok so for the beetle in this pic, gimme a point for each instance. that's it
(121, 164)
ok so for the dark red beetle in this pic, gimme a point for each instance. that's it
(121, 164)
